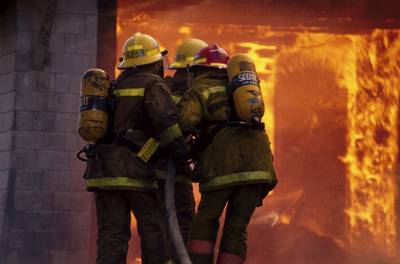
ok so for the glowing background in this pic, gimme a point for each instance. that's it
(332, 105)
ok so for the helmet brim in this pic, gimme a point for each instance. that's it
(178, 65)
(211, 65)
(128, 63)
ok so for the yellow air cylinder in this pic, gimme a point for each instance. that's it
(93, 120)
(244, 89)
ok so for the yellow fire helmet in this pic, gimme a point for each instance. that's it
(140, 49)
(185, 53)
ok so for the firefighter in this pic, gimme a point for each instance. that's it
(234, 170)
(178, 85)
(120, 172)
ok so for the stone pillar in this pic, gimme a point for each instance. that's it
(44, 207)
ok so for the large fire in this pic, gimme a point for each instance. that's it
(373, 103)
(368, 67)
(338, 99)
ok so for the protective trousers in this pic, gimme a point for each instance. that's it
(242, 201)
(114, 209)
(185, 210)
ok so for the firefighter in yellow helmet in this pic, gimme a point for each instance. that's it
(144, 116)
(234, 170)
(178, 85)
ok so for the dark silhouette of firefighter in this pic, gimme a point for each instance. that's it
(178, 85)
(140, 118)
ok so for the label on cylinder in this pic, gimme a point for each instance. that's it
(91, 102)
(244, 78)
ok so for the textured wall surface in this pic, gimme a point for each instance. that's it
(7, 99)
(45, 46)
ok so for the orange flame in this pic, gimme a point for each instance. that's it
(372, 149)
(368, 68)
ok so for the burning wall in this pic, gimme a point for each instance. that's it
(336, 125)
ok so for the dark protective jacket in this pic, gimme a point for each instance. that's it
(236, 155)
(178, 86)
(143, 109)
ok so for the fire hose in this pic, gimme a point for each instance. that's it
(173, 226)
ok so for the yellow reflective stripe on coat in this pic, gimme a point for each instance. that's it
(120, 182)
(129, 92)
(213, 89)
(247, 176)
(170, 134)
(148, 149)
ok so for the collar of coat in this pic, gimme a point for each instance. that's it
(130, 72)
(210, 75)
(177, 85)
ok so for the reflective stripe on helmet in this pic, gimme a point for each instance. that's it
(201, 60)
(120, 182)
(181, 57)
(138, 51)
(247, 176)
(135, 47)
(129, 92)
(153, 52)
(170, 134)
(182, 63)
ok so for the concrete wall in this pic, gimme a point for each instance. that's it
(45, 47)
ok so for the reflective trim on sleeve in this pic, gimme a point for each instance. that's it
(176, 98)
(148, 149)
(247, 176)
(218, 105)
(129, 92)
(120, 182)
(170, 134)
(212, 90)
